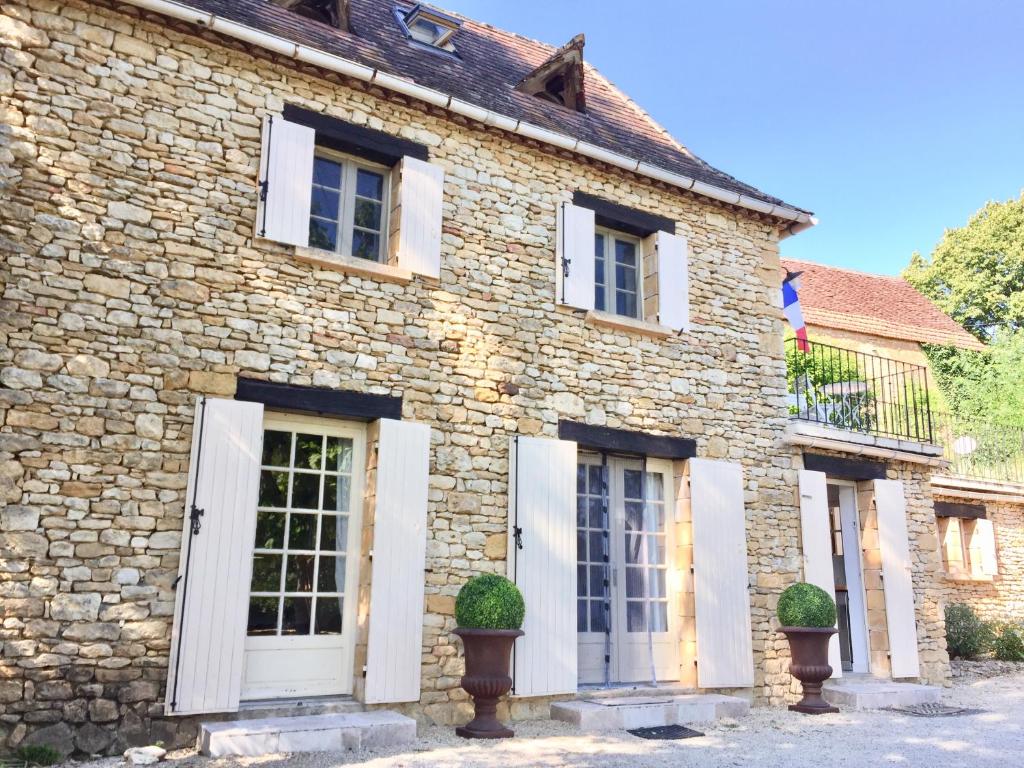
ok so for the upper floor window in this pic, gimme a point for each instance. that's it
(617, 273)
(347, 210)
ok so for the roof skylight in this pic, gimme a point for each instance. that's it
(429, 26)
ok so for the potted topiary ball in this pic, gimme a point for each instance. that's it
(489, 611)
(808, 617)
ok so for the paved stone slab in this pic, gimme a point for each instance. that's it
(312, 733)
(868, 693)
(625, 713)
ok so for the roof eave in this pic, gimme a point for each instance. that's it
(793, 220)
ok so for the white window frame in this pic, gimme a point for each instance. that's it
(610, 287)
(350, 166)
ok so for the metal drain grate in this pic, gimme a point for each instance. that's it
(933, 710)
(665, 732)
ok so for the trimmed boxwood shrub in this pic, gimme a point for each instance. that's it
(489, 601)
(1008, 644)
(967, 636)
(805, 605)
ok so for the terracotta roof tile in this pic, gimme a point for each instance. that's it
(489, 64)
(880, 305)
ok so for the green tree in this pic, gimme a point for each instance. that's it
(976, 272)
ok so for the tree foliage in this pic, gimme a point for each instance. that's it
(976, 272)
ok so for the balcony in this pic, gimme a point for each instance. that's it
(867, 400)
(856, 392)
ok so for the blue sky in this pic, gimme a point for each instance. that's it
(890, 120)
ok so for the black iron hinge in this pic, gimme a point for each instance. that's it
(194, 516)
(517, 534)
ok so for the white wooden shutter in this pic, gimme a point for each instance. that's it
(891, 510)
(212, 599)
(673, 280)
(725, 656)
(816, 537)
(574, 256)
(419, 230)
(286, 179)
(542, 503)
(394, 647)
(984, 540)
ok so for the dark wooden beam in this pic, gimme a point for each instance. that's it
(328, 402)
(844, 468)
(615, 216)
(958, 509)
(372, 145)
(627, 441)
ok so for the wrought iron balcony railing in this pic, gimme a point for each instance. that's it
(859, 392)
(981, 450)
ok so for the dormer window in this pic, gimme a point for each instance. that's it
(429, 26)
(333, 12)
(560, 78)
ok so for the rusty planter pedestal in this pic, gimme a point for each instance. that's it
(487, 679)
(809, 649)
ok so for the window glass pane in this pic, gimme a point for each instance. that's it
(336, 493)
(625, 279)
(269, 530)
(295, 616)
(659, 617)
(263, 616)
(326, 172)
(625, 253)
(599, 273)
(323, 234)
(339, 454)
(597, 614)
(367, 214)
(635, 616)
(333, 533)
(365, 245)
(596, 512)
(581, 511)
(302, 531)
(581, 546)
(369, 184)
(277, 448)
(625, 304)
(635, 582)
(581, 478)
(581, 580)
(581, 615)
(631, 482)
(309, 451)
(298, 574)
(596, 480)
(273, 489)
(633, 543)
(306, 490)
(328, 615)
(324, 203)
(596, 547)
(331, 576)
(266, 573)
(597, 580)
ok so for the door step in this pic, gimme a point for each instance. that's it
(628, 712)
(864, 692)
(307, 733)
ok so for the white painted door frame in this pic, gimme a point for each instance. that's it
(853, 562)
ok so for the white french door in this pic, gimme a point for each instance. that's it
(848, 572)
(626, 605)
(301, 626)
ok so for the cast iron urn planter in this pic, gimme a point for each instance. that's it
(487, 679)
(809, 649)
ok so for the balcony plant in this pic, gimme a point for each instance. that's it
(489, 612)
(808, 617)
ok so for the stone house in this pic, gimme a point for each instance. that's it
(310, 313)
(978, 488)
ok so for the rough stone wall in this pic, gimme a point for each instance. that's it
(130, 282)
(1002, 597)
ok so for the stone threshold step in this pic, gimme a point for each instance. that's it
(308, 733)
(855, 694)
(628, 712)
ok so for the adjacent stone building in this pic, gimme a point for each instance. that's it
(310, 315)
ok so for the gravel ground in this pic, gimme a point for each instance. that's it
(767, 738)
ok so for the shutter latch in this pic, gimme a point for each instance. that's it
(565, 267)
(194, 516)
(517, 534)
(263, 190)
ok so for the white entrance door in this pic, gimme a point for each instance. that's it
(627, 631)
(301, 627)
(849, 581)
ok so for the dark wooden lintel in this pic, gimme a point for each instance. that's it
(615, 216)
(959, 509)
(843, 468)
(367, 143)
(328, 402)
(627, 441)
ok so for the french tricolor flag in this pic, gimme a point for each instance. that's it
(791, 309)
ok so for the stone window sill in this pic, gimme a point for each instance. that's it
(353, 265)
(628, 324)
(968, 578)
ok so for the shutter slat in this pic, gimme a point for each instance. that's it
(420, 217)
(286, 165)
(575, 243)
(816, 537)
(395, 639)
(542, 499)
(720, 576)
(673, 281)
(891, 511)
(209, 626)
